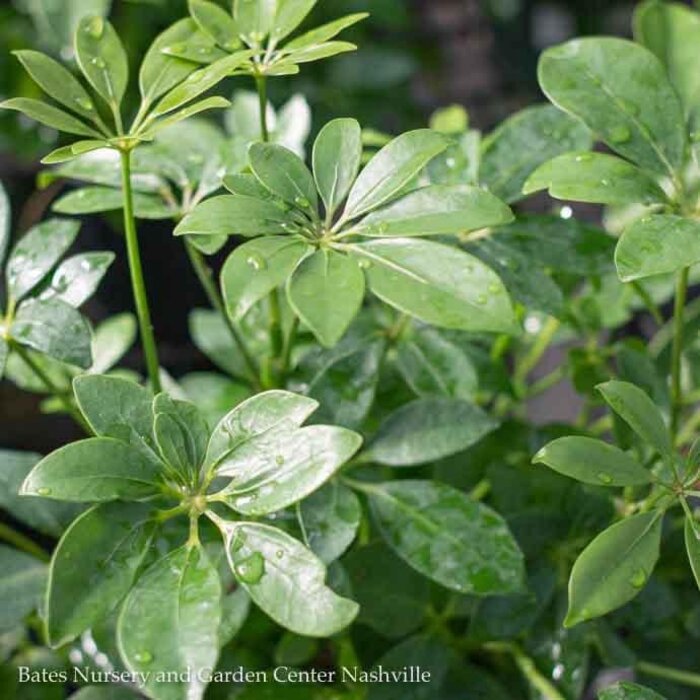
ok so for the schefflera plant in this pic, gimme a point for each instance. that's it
(169, 89)
(154, 465)
(326, 236)
(639, 100)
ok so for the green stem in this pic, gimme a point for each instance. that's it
(671, 674)
(261, 85)
(206, 279)
(22, 542)
(289, 345)
(51, 388)
(539, 347)
(276, 336)
(677, 352)
(648, 302)
(143, 313)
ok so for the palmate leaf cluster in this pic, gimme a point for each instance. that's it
(353, 485)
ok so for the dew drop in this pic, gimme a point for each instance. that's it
(279, 459)
(94, 27)
(639, 578)
(178, 47)
(605, 478)
(620, 134)
(481, 299)
(583, 157)
(256, 262)
(98, 62)
(494, 288)
(143, 657)
(302, 202)
(365, 264)
(84, 103)
(279, 553)
(44, 491)
(251, 569)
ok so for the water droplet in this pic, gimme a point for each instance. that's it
(302, 202)
(494, 288)
(94, 27)
(84, 103)
(177, 47)
(251, 569)
(451, 163)
(195, 77)
(695, 136)
(44, 491)
(482, 299)
(279, 553)
(256, 262)
(98, 62)
(583, 157)
(143, 657)
(279, 459)
(620, 134)
(605, 183)
(639, 578)
(365, 264)
(605, 478)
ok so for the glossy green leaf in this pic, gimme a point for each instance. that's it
(443, 534)
(116, 408)
(436, 283)
(286, 580)
(426, 430)
(336, 159)
(290, 14)
(102, 58)
(329, 520)
(22, 580)
(49, 115)
(92, 200)
(110, 541)
(595, 177)
(326, 32)
(235, 214)
(186, 112)
(214, 21)
(234, 612)
(96, 469)
(593, 462)
(57, 82)
(692, 547)
(628, 691)
(170, 623)
(160, 72)
(639, 412)
(289, 65)
(54, 328)
(73, 151)
(391, 169)
(257, 267)
(36, 253)
(284, 465)
(435, 210)
(181, 433)
(671, 31)
(254, 19)
(111, 341)
(76, 279)
(614, 567)
(656, 245)
(522, 143)
(326, 292)
(199, 48)
(621, 91)
(104, 692)
(258, 415)
(284, 174)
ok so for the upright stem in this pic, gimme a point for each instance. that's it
(138, 286)
(677, 351)
(204, 275)
(261, 84)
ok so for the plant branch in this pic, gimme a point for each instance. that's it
(143, 312)
(538, 348)
(671, 674)
(22, 542)
(261, 85)
(677, 351)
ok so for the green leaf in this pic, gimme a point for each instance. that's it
(93, 200)
(337, 154)
(614, 567)
(671, 30)
(620, 90)
(392, 169)
(111, 341)
(265, 412)
(284, 174)
(640, 413)
(117, 408)
(36, 253)
(435, 210)
(184, 113)
(54, 328)
(426, 430)
(522, 143)
(597, 178)
(628, 691)
(4, 354)
(216, 23)
(284, 465)
(21, 583)
(692, 547)
(257, 267)
(325, 32)
(96, 469)
(181, 433)
(436, 283)
(110, 541)
(235, 214)
(76, 279)
(432, 365)
(326, 292)
(102, 59)
(288, 66)
(212, 337)
(160, 72)
(592, 462)
(199, 48)
(460, 543)
(170, 623)
(5, 221)
(49, 115)
(234, 612)
(104, 692)
(656, 245)
(286, 580)
(290, 14)
(254, 19)
(57, 82)
(329, 520)
(73, 151)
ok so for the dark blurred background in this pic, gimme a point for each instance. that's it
(414, 56)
